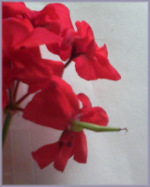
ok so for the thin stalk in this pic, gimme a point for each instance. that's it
(6, 126)
(19, 108)
(79, 125)
(68, 62)
(15, 90)
(73, 56)
(10, 97)
(22, 98)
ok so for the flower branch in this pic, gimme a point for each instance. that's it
(54, 104)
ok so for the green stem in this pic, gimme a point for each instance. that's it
(79, 125)
(6, 125)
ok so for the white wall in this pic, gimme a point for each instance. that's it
(113, 158)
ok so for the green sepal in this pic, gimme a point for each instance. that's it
(79, 126)
(6, 126)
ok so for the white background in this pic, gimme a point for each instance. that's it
(113, 158)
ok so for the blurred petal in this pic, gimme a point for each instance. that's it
(53, 107)
(14, 32)
(103, 50)
(81, 150)
(95, 115)
(54, 13)
(38, 37)
(13, 9)
(56, 66)
(95, 68)
(46, 154)
(64, 15)
(62, 158)
(85, 100)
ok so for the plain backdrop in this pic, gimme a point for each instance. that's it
(114, 158)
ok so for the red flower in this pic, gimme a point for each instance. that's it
(52, 26)
(96, 67)
(24, 35)
(54, 18)
(91, 61)
(71, 143)
(22, 58)
(58, 106)
(26, 61)
(33, 70)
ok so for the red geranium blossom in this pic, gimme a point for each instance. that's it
(80, 46)
(91, 60)
(70, 143)
(58, 106)
(54, 104)
(22, 58)
(54, 18)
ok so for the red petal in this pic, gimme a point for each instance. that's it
(56, 66)
(85, 30)
(95, 68)
(81, 148)
(20, 33)
(46, 15)
(64, 49)
(85, 100)
(96, 115)
(13, 9)
(109, 71)
(55, 12)
(46, 154)
(92, 62)
(64, 15)
(14, 32)
(67, 147)
(53, 107)
(86, 43)
(62, 158)
(31, 69)
(38, 37)
(103, 50)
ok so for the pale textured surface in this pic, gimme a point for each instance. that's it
(113, 158)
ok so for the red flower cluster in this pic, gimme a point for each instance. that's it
(55, 104)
